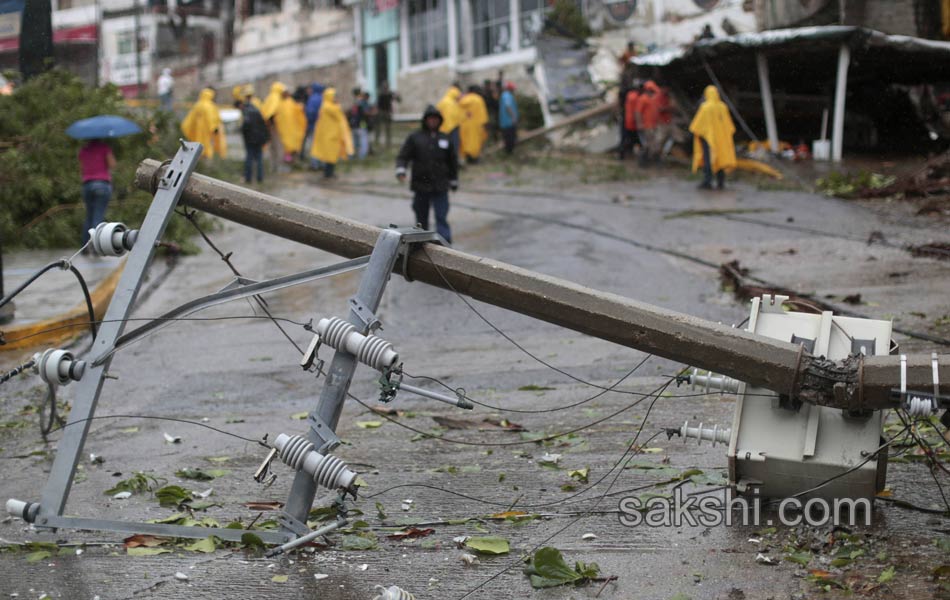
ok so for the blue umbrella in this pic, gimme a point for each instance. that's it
(102, 126)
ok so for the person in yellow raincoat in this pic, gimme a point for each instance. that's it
(268, 110)
(474, 122)
(245, 93)
(451, 113)
(332, 138)
(203, 124)
(713, 147)
(290, 121)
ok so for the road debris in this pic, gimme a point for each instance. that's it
(547, 568)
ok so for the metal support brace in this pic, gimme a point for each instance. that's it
(326, 415)
(69, 450)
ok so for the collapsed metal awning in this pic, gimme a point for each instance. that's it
(809, 71)
(875, 55)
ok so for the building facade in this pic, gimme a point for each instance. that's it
(422, 46)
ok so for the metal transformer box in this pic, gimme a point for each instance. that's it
(782, 451)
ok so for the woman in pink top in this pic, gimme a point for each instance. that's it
(97, 161)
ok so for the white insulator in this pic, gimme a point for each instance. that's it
(112, 239)
(918, 407)
(713, 434)
(392, 593)
(713, 382)
(58, 367)
(23, 510)
(368, 349)
(328, 471)
(294, 450)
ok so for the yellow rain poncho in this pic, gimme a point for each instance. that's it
(273, 100)
(332, 138)
(291, 122)
(203, 125)
(713, 123)
(474, 119)
(449, 107)
(242, 92)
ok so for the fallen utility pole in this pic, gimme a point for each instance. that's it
(857, 383)
(574, 119)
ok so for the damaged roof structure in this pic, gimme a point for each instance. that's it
(878, 89)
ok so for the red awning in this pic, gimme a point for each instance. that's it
(76, 35)
(85, 34)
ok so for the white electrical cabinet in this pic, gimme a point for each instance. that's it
(782, 451)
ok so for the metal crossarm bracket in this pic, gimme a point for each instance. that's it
(365, 315)
(308, 455)
(412, 237)
(236, 290)
(322, 429)
(56, 493)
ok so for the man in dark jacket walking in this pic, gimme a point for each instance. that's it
(255, 134)
(434, 162)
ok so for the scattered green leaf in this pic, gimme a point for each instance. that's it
(358, 542)
(886, 575)
(488, 545)
(547, 568)
(207, 545)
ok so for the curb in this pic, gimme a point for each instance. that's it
(67, 326)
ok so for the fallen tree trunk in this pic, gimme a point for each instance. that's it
(783, 367)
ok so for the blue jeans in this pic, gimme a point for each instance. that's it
(361, 142)
(253, 154)
(95, 195)
(440, 204)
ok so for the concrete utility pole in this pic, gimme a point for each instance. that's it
(860, 382)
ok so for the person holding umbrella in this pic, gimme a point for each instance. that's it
(97, 162)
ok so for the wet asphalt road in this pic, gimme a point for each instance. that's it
(242, 375)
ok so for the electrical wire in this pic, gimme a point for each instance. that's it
(511, 340)
(511, 505)
(929, 453)
(833, 478)
(633, 447)
(261, 302)
(460, 392)
(545, 410)
(65, 265)
(426, 434)
(17, 370)
(157, 418)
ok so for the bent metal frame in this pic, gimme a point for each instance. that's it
(322, 420)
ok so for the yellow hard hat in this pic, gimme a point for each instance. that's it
(238, 92)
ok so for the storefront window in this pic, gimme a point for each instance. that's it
(491, 27)
(428, 30)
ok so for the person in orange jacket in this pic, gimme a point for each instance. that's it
(631, 138)
(648, 118)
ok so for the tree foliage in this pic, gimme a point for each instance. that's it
(40, 183)
(566, 18)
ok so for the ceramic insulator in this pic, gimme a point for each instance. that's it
(328, 471)
(368, 349)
